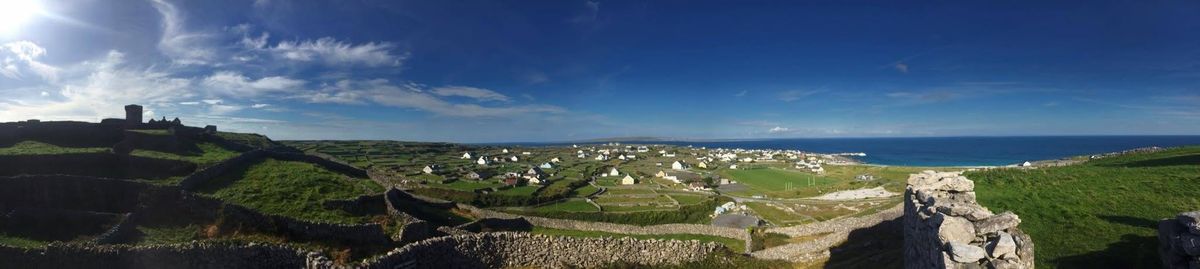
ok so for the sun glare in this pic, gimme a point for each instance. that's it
(14, 14)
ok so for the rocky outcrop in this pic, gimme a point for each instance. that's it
(1179, 241)
(945, 228)
(515, 249)
(188, 255)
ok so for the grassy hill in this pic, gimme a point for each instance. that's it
(1100, 214)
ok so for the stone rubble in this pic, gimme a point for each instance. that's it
(944, 227)
(1179, 241)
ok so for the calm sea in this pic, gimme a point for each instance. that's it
(951, 151)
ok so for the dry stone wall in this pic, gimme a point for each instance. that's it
(674, 228)
(515, 249)
(945, 228)
(1179, 241)
(200, 255)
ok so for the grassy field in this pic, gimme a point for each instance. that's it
(20, 241)
(733, 244)
(519, 191)
(688, 199)
(39, 148)
(572, 205)
(465, 185)
(775, 182)
(294, 189)
(1101, 214)
(210, 154)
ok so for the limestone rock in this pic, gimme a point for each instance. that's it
(997, 223)
(1003, 264)
(965, 253)
(1002, 246)
(1188, 243)
(955, 229)
(1191, 220)
(971, 211)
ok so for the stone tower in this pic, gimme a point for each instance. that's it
(133, 114)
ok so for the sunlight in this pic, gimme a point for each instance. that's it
(14, 14)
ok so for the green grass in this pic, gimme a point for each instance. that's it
(168, 235)
(252, 140)
(735, 245)
(572, 205)
(210, 154)
(688, 199)
(465, 185)
(39, 148)
(152, 131)
(585, 191)
(294, 189)
(775, 181)
(1102, 213)
(518, 191)
(622, 191)
(636, 208)
(20, 241)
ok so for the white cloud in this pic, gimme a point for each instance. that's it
(260, 105)
(383, 92)
(179, 44)
(230, 83)
(470, 92)
(778, 129)
(332, 51)
(20, 55)
(901, 67)
(96, 88)
(793, 95)
(741, 93)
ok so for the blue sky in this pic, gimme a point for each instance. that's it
(480, 71)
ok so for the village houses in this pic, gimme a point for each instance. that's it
(628, 180)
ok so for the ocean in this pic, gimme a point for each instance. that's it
(949, 151)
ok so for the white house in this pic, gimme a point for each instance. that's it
(628, 180)
(678, 165)
(669, 155)
(430, 169)
(534, 175)
(702, 165)
(467, 156)
(555, 160)
(601, 157)
(514, 158)
(526, 153)
(732, 166)
(643, 149)
(614, 172)
(504, 151)
(546, 165)
(1026, 164)
(483, 161)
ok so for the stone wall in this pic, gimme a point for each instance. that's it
(360, 206)
(94, 164)
(62, 133)
(825, 235)
(673, 228)
(842, 224)
(1179, 241)
(194, 180)
(70, 193)
(945, 228)
(514, 249)
(192, 255)
(326, 163)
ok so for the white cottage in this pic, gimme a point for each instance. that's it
(628, 180)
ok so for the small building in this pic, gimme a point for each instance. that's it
(511, 181)
(702, 165)
(679, 165)
(661, 174)
(467, 156)
(514, 159)
(1026, 164)
(555, 160)
(732, 166)
(534, 175)
(210, 129)
(547, 165)
(483, 161)
(504, 151)
(601, 157)
(526, 153)
(430, 169)
(477, 175)
(614, 172)
(628, 180)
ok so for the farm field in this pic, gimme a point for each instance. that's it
(293, 189)
(1102, 213)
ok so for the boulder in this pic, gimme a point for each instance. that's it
(1191, 220)
(954, 229)
(965, 253)
(971, 211)
(1188, 243)
(1003, 264)
(1002, 246)
(997, 223)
